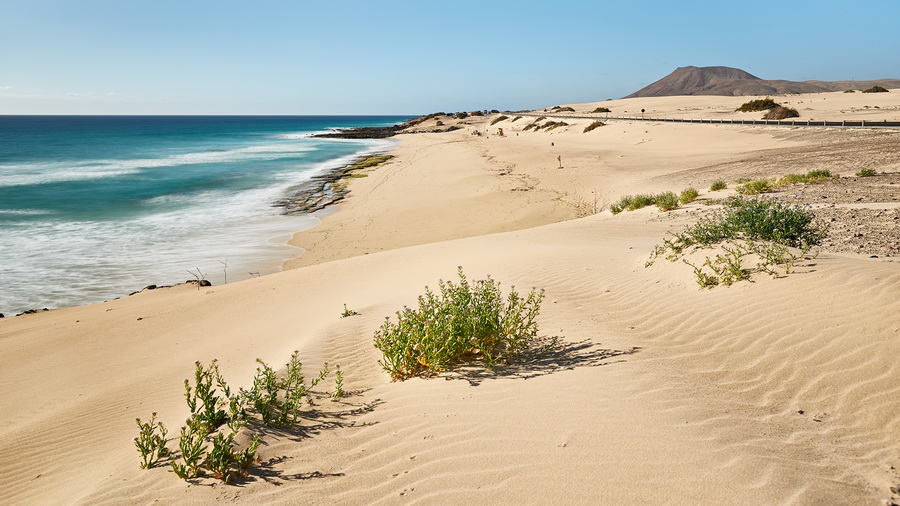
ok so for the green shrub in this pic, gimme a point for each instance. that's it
(757, 105)
(866, 173)
(875, 89)
(718, 185)
(463, 321)
(277, 400)
(755, 187)
(667, 201)
(593, 125)
(780, 112)
(688, 195)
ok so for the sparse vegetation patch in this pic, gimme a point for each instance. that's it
(593, 125)
(746, 228)
(876, 89)
(499, 119)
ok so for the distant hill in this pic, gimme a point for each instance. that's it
(735, 82)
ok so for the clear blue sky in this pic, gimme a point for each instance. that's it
(411, 57)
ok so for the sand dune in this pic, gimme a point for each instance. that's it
(776, 391)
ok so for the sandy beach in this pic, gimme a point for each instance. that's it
(770, 391)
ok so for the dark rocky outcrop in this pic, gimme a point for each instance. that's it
(728, 81)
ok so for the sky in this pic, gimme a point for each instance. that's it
(412, 57)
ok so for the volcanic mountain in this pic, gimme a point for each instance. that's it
(736, 82)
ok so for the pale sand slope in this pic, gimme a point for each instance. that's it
(833, 106)
(704, 411)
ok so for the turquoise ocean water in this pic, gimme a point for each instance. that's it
(96, 207)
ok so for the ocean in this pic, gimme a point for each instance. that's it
(96, 207)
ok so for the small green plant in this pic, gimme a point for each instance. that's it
(703, 279)
(338, 383)
(866, 173)
(463, 321)
(755, 187)
(221, 457)
(718, 185)
(192, 455)
(151, 442)
(876, 89)
(205, 405)
(688, 195)
(348, 312)
(245, 458)
(666, 201)
(593, 126)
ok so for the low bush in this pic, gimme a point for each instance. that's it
(517, 118)
(718, 185)
(667, 201)
(849, 91)
(781, 112)
(464, 321)
(600, 109)
(593, 125)
(757, 105)
(151, 442)
(866, 173)
(755, 187)
(875, 89)
(688, 195)
(498, 120)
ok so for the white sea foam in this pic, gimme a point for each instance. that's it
(55, 172)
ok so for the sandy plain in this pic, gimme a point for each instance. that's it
(776, 391)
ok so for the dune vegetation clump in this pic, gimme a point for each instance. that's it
(745, 228)
(688, 195)
(517, 118)
(461, 322)
(780, 112)
(600, 109)
(499, 119)
(876, 89)
(762, 104)
(594, 125)
(667, 201)
(866, 173)
(718, 185)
